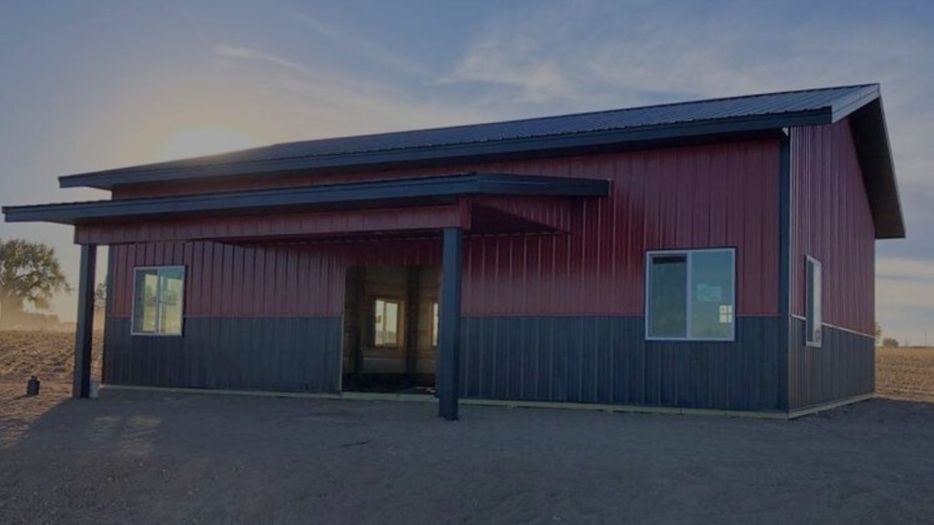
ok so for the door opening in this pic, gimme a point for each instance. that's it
(390, 329)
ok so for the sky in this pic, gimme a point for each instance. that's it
(86, 86)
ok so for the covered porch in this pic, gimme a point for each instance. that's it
(436, 210)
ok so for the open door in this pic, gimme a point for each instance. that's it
(390, 329)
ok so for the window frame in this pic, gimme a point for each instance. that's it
(809, 340)
(400, 324)
(133, 331)
(688, 297)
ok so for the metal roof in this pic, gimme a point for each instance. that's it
(559, 135)
(722, 115)
(380, 192)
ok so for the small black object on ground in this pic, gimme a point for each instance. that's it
(32, 386)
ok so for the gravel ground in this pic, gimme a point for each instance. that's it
(145, 457)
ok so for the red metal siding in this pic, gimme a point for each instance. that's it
(284, 280)
(832, 222)
(713, 195)
(688, 197)
(290, 225)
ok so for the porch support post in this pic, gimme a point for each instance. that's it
(81, 387)
(449, 318)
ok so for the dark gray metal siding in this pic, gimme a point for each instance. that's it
(844, 366)
(607, 360)
(298, 354)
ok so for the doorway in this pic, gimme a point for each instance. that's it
(390, 329)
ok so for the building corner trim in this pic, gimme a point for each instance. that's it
(784, 268)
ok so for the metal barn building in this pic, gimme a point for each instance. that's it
(716, 254)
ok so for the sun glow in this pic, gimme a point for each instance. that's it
(195, 142)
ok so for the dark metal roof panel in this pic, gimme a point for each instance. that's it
(380, 191)
(824, 103)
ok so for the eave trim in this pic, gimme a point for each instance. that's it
(379, 191)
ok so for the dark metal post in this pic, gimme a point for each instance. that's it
(85, 327)
(449, 318)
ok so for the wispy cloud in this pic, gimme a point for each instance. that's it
(321, 101)
(246, 53)
(358, 44)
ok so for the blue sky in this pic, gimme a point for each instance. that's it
(93, 85)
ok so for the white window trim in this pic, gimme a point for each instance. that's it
(688, 253)
(400, 324)
(807, 311)
(133, 331)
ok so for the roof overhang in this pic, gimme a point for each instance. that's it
(871, 138)
(552, 145)
(384, 192)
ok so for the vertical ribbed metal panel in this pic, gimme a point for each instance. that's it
(265, 353)
(225, 280)
(844, 366)
(713, 195)
(607, 360)
(832, 222)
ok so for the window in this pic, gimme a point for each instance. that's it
(813, 306)
(158, 296)
(690, 295)
(386, 322)
(434, 323)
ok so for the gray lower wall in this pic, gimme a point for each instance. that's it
(607, 360)
(297, 354)
(844, 366)
(547, 358)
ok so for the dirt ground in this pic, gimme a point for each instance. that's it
(154, 457)
(906, 373)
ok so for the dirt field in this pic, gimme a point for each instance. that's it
(905, 373)
(155, 457)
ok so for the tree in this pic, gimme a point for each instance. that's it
(100, 296)
(878, 333)
(890, 342)
(29, 273)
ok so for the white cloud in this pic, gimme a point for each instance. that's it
(536, 80)
(246, 53)
(313, 100)
(375, 52)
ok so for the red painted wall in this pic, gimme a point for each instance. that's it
(832, 222)
(698, 196)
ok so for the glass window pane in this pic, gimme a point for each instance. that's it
(667, 292)
(386, 322)
(392, 323)
(145, 301)
(171, 287)
(379, 328)
(813, 306)
(712, 294)
(434, 324)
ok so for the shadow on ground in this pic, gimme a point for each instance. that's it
(155, 457)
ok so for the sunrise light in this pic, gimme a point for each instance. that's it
(195, 142)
